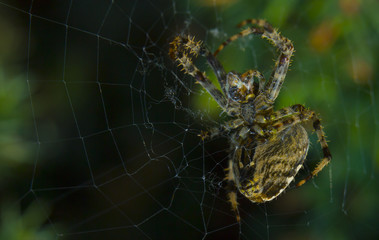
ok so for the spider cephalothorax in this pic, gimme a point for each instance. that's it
(267, 147)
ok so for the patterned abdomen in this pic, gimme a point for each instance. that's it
(274, 164)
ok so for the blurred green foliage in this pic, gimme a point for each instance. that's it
(26, 225)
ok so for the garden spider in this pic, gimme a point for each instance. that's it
(267, 147)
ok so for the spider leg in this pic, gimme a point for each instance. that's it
(282, 43)
(282, 63)
(289, 116)
(181, 50)
(259, 22)
(295, 114)
(231, 187)
(274, 123)
(277, 77)
(197, 48)
(325, 149)
(243, 33)
(216, 66)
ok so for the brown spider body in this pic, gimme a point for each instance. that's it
(267, 147)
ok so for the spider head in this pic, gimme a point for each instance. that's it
(239, 88)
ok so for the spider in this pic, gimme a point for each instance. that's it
(267, 147)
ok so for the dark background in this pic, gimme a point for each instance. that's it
(99, 129)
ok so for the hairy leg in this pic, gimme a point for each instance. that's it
(285, 46)
(231, 188)
(197, 48)
(181, 50)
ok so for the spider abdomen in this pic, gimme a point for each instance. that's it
(273, 164)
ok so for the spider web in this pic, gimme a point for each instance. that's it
(101, 129)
